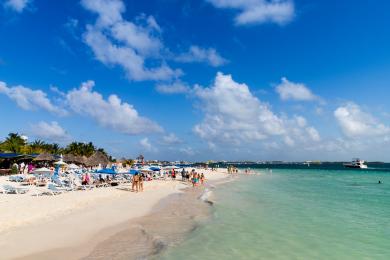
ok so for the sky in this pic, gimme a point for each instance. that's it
(198, 80)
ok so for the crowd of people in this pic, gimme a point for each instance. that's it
(194, 177)
(22, 168)
(232, 169)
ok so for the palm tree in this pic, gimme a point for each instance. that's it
(54, 148)
(13, 143)
(81, 149)
(38, 146)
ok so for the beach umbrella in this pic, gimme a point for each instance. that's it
(44, 157)
(145, 169)
(80, 159)
(97, 158)
(42, 171)
(69, 158)
(133, 171)
(170, 167)
(60, 163)
(107, 171)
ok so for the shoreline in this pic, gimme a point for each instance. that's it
(76, 234)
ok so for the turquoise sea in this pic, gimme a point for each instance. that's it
(296, 213)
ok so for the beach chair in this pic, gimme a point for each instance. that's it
(54, 190)
(16, 178)
(13, 190)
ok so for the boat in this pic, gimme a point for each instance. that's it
(356, 163)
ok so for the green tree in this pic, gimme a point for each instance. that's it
(81, 149)
(13, 143)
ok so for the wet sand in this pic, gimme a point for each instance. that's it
(170, 222)
(166, 226)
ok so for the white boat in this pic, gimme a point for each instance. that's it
(356, 163)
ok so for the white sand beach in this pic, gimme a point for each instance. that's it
(30, 225)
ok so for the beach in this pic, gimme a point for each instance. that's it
(73, 224)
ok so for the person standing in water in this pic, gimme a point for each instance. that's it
(202, 178)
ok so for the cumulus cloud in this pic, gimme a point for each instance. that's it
(233, 115)
(187, 151)
(198, 54)
(130, 45)
(146, 145)
(111, 113)
(29, 99)
(171, 139)
(49, 131)
(356, 123)
(288, 90)
(17, 5)
(177, 87)
(259, 11)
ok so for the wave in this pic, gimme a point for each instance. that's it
(206, 195)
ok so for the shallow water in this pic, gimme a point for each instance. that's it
(148, 236)
(296, 214)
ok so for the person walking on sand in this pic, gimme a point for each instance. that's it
(134, 185)
(141, 182)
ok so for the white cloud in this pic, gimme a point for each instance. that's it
(356, 123)
(171, 139)
(259, 11)
(130, 45)
(288, 90)
(198, 54)
(313, 133)
(146, 145)
(49, 131)
(17, 5)
(111, 113)
(177, 87)
(72, 26)
(187, 151)
(29, 99)
(234, 116)
(110, 12)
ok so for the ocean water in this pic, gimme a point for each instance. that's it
(296, 214)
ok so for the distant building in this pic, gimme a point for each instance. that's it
(141, 159)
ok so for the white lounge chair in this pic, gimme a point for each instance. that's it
(16, 178)
(53, 189)
(13, 190)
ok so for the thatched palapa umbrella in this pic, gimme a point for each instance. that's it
(96, 159)
(69, 158)
(81, 159)
(45, 157)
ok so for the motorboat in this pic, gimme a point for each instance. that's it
(356, 163)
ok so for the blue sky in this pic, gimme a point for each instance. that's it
(200, 80)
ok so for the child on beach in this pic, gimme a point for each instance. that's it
(202, 178)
